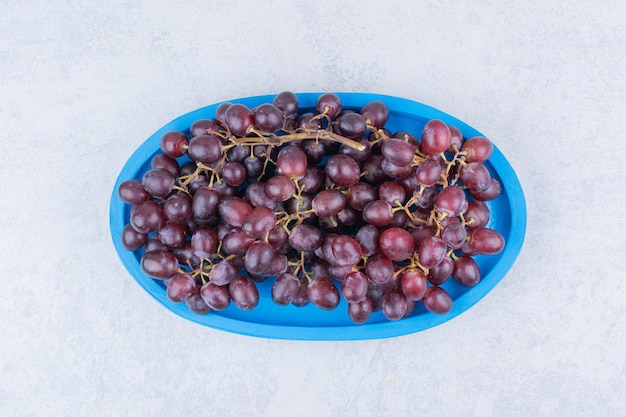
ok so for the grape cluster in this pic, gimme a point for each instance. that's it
(313, 199)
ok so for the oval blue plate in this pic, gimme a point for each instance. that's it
(508, 216)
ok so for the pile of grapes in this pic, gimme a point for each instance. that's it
(314, 200)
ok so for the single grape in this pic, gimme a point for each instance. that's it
(146, 217)
(431, 251)
(158, 182)
(235, 242)
(437, 300)
(220, 112)
(394, 304)
(477, 149)
(268, 118)
(351, 125)
(178, 208)
(357, 155)
(291, 162)
(329, 104)
(234, 174)
(436, 137)
(312, 180)
(159, 264)
(238, 153)
(456, 139)
(372, 170)
(174, 144)
(323, 293)
(360, 194)
(203, 127)
(205, 148)
(428, 173)
(428, 197)
(277, 236)
(354, 287)
(328, 203)
(368, 237)
(400, 219)
(153, 244)
(398, 152)
(378, 213)
(492, 192)
(342, 170)
(173, 235)
(234, 210)
(486, 241)
(258, 222)
(204, 242)
(392, 192)
(279, 264)
(279, 187)
(258, 257)
(287, 102)
(215, 296)
(414, 284)
(452, 201)
(132, 239)
(475, 176)
(338, 272)
(205, 203)
(180, 287)
(439, 274)
(305, 237)
(132, 192)
(315, 151)
(361, 311)
(376, 113)
(306, 121)
(346, 250)
(376, 295)
(302, 297)
(244, 293)
(285, 289)
(239, 119)
(379, 269)
(421, 232)
(454, 235)
(394, 171)
(185, 255)
(257, 197)
(196, 304)
(466, 271)
(477, 215)
(396, 244)
(348, 216)
(162, 161)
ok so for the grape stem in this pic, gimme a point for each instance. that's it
(278, 140)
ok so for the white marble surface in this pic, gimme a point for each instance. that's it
(82, 84)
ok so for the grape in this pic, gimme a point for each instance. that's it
(368, 237)
(492, 192)
(329, 104)
(323, 293)
(306, 121)
(456, 139)
(132, 239)
(475, 177)
(428, 173)
(178, 208)
(477, 148)
(305, 237)
(258, 257)
(398, 152)
(400, 219)
(414, 284)
(305, 203)
(244, 293)
(285, 289)
(204, 242)
(158, 182)
(153, 244)
(279, 264)
(132, 192)
(287, 102)
(375, 113)
(205, 148)
(147, 217)
(357, 155)
(454, 235)
(431, 251)
(234, 210)
(452, 201)
(216, 297)
(220, 112)
(205, 203)
(239, 119)
(235, 242)
(277, 236)
(347, 216)
(258, 222)
(173, 235)
(339, 272)
(234, 174)
(429, 197)
(360, 194)
(203, 126)
(159, 264)
(439, 274)
(174, 144)
(279, 188)
(379, 269)
(291, 162)
(238, 153)
(342, 170)
(268, 117)
(394, 304)
(477, 215)
(180, 287)
(421, 232)
(354, 287)
(437, 300)
(328, 203)
(396, 244)
(351, 125)
(372, 169)
(314, 151)
(196, 304)
(346, 250)
(162, 161)
(378, 213)
(361, 311)
(392, 192)
(376, 295)
(257, 197)
(436, 137)
(185, 255)
(394, 171)
(466, 271)
(302, 297)
(486, 241)
(312, 180)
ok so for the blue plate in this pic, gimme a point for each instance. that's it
(508, 216)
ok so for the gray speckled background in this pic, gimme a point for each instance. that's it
(82, 84)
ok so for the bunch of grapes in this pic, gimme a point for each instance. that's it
(330, 203)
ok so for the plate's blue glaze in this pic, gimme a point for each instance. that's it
(508, 216)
